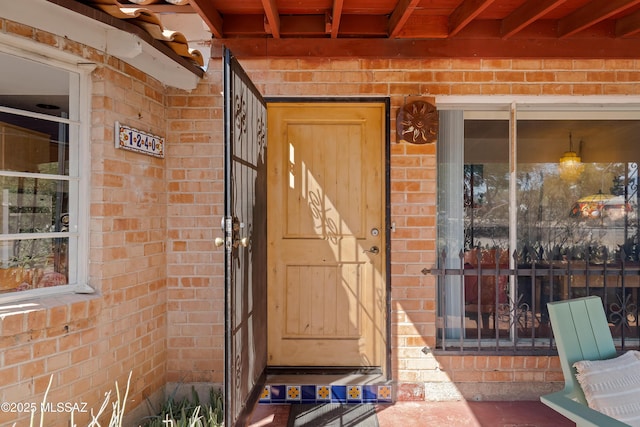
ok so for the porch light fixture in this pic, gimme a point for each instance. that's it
(570, 163)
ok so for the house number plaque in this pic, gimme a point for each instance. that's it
(132, 139)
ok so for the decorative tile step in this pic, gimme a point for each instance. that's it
(327, 393)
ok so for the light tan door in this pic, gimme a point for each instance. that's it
(326, 234)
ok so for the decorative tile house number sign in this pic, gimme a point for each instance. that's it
(132, 139)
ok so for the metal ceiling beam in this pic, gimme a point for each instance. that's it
(209, 15)
(527, 13)
(272, 24)
(590, 14)
(400, 15)
(466, 12)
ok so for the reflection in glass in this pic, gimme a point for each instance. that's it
(36, 125)
(486, 184)
(33, 145)
(33, 264)
(33, 86)
(535, 230)
(33, 205)
(486, 221)
(589, 211)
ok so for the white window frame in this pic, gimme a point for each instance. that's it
(79, 166)
(539, 108)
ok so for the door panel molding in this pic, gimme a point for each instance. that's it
(304, 319)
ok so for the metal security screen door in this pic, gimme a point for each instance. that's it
(245, 230)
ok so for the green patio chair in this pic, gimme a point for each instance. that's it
(581, 332)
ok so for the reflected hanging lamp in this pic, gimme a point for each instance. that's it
(570, 163)
(570, 158)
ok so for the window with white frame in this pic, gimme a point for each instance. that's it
(536, 203)
(41, 241)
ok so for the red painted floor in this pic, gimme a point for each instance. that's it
(437, 414)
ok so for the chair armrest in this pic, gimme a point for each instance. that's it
(581, 414)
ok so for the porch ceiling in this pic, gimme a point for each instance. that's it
(418, 28)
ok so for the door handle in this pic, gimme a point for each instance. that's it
(244, 242)
(373, 250)
(234, 226)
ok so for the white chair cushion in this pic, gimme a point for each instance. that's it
(612, 386)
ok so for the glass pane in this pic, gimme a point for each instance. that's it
(486, 219)
(32, 86)
(33, 205)
(577, 208)
(584, 206)
(33, 264)
(33, 145)
(486, 184)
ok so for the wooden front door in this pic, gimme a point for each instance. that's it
(326, 234)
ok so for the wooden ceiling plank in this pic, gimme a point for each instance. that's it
(466, 12)
(303, 26)
(590, 14)
(628, 25)
(244, 25)
(364, 25)
(400, 15)
(209, 15)
(602, 48)
(425, 27)
(306, 26)
(527, 13)
(273, 18)
(336, 16)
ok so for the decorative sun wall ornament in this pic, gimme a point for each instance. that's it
(417, 123)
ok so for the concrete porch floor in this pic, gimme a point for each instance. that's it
(439, 414)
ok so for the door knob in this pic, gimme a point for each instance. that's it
(219, 241)
(374, 250)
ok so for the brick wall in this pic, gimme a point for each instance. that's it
(413, 198)
(129, 230)
(85, 343)
(159, 309)
(195, 266)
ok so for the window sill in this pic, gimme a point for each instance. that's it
(53, 314)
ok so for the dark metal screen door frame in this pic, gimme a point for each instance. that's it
(245, 229)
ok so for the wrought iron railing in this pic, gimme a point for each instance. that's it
(489, 301)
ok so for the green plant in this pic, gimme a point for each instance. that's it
(116, 416)
(190, 412)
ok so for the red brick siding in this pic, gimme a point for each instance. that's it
(159, 310)
(87, 343)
